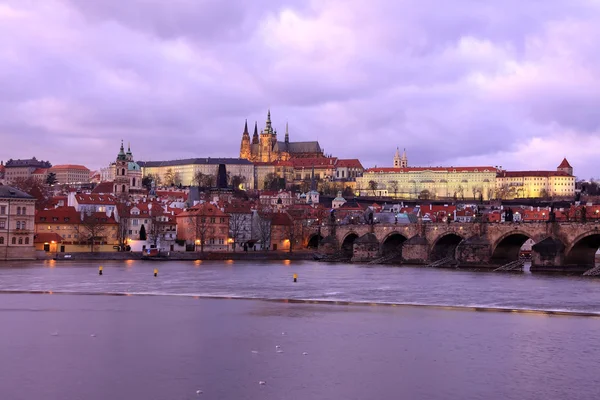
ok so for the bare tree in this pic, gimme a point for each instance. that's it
(461, 192)
(201, 228)
(92, 228)
(169, 177)
(263, 228)
(239, 224)
(394, 187)
(236, 181)
(373, 186)
(425, 194)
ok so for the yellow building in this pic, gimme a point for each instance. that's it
(184, 171)
(65, 230)
(537, 184)
(428, 182)
(17, 210)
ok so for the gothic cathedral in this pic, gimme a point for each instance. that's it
(266, 147)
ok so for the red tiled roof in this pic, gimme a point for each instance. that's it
(204, 209)
(564, 164)
(68, 215)
(95, 199)
(40, 171)
(238, 208)
(47, 237)
(70, 166)
(316, 162)
(281, 219)
(103, 187)
(435, 169)
(349, 163)
(522, 174)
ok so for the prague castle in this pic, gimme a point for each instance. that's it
(266, 148)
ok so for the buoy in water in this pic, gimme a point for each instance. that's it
(100, 270)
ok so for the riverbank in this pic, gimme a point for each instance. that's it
(189, 256)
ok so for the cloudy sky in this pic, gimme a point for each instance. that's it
(467, 82)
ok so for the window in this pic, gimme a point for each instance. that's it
(26, 240)
(1, 240)
(2, 210)
(2, 224)
(18, 210)
(213, 220)
(14, 240)
(18, 224)
(23, 211)
(222, 220)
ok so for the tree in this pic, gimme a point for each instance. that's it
(238, 226)
(505, 192)
(348, 192)
(35, 188)
(143, 233)
(170, 177)
(201, 228)
(147, 182)
(544, 194)
(237, 181)
(290, 233)
(263, 229)
(51, 178)
(394, 187)
(425, 194)
(204, 180)
(373, 186)
(91, 228)
(461, 192)
(124, 214)
(305, 185)
(274, 182)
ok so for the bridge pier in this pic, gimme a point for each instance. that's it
(415, 250)
(548, 255)
(329, 245)
(366, 248)
(474, 252)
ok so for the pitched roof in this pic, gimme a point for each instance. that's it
(103, 187)
(40, 171)
(433, 169)
(70, 166)
(524, 174)
(315, 161)
(194, 161)
(13, 193)
(58, 215)
(204, 209)
(349, 163)
(298, 147)
(564, 164)
(95, 199)
(47, 237)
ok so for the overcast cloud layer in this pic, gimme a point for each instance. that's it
(501, 82)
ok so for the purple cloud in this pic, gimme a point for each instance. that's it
(475, 82)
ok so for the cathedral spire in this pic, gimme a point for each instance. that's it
(255, 136)
(269, 128)
(287, 133)
(246, 128)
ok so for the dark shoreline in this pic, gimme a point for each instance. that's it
(188, 256)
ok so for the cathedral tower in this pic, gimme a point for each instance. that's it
(245, 151)
(397, 158)
(404, 160)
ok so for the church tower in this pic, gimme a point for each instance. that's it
(397, 158)
(565, 167)
(121, 183)
(255, 136)
(245, 146)
(404, 160)
(287, 134)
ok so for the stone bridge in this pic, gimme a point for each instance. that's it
(565, 246)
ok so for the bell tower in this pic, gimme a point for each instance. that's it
(245, 146)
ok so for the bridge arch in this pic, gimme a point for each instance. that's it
(348, 243)
(445, 246)
(582, 250)
(314, 240)
(508, 247)
(392, 243)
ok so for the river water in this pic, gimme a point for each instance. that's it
(63, 337)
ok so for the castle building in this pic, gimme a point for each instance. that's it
(128, 174)
(266, 148)
(537, 184)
